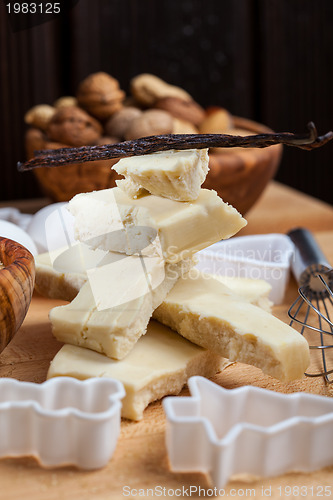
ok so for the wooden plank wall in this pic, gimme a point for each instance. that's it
(271, 61)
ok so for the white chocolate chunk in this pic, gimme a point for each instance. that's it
(160, 364)
(61, 273)
(255, 291)
(177, 175)
(53, 284)
(65, 284)
(113, 308)
(110, 220)
(209, 314)
(131, 188)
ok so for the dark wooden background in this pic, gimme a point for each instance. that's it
(271, 61)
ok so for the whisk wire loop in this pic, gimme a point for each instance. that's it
(311, 310)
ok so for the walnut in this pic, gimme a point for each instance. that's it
(97, 85)
(100, 95)
(150, 122)
(103, 111)
(74, 127)
(39, 116)
(147, 89)
(189, 111)
(120, 122)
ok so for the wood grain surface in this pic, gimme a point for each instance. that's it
(140, 460)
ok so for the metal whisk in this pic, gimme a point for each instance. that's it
(311, 310)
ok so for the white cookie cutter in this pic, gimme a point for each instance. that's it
(63, 421)
(263, 256)
(223, 432)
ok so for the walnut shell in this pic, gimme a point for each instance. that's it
(97, 87)
(189, 111)
(100, 95)
(74, 127)
(120, 121)
(150, 122)
(39, 116)
(147, 89)
(103, 111)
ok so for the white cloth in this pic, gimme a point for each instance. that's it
(14, 216)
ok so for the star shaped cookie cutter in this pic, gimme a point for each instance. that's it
(63, 421)
(222, 432)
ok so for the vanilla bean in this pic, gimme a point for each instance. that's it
(153, 144)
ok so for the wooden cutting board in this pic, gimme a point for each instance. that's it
(140, 461)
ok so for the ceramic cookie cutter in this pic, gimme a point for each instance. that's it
(264, 256)
(222, 432)
(63, 421)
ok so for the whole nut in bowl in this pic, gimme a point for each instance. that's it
(120, 121)
(182, 109)
(100, 95)
(147, 89)
(39, 116)
(17, 278)
(73, 126)
(150, 122)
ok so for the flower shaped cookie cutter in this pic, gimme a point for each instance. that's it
(223, 432)
(63, 421)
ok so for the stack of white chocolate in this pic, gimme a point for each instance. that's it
(134, 262)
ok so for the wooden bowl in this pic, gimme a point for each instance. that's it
(17, 278)
(238, 175)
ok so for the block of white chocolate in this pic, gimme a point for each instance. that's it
(60, 274)
(160, 364)
(209, 314)
(255, 291)
(112, 309)
(65, 282)
(175, 230)
(129, 187)
(177, 175)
